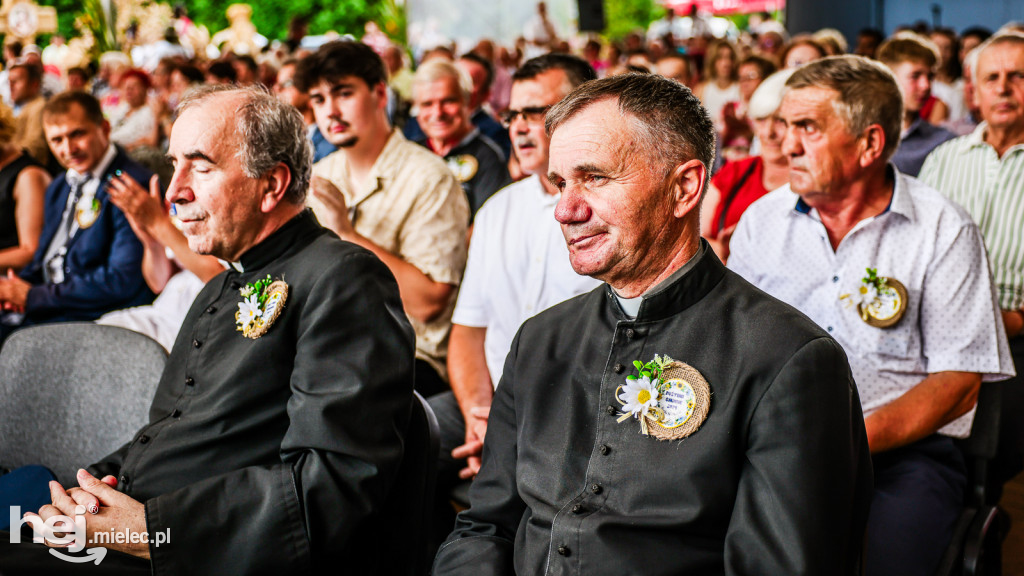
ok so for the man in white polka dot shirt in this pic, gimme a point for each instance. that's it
(899, 276)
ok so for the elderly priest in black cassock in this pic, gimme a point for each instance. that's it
(277, 428)
(676, 420)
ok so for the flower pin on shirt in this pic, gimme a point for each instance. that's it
(87, 210)
(670, 398)
(463, 166)
(262, 302)
(880, 301)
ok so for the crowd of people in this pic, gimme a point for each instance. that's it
(523, 226)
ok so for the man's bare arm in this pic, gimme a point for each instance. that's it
(422, 298)
(931, 404)
(1013, 320)
(472, 386)
(148, 217)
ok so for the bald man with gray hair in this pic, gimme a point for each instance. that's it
(284, 404)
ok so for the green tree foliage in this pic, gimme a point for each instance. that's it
(625, 16)
(67, 11)
(271, 17)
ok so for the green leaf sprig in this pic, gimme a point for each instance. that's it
(873, 279)
(652, 369)
(259, 288)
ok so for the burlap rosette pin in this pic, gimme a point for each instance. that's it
(671, 399)
(263, 301)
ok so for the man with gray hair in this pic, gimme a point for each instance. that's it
(278, 425)
(984, 173)
(644, 427)
(441, 95)
(895, 273)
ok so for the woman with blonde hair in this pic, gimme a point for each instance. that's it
(721, 81)
(23, 183)
(739, 183)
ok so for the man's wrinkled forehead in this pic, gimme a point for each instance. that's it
(997, 53)
(596, 129)
(205, 130)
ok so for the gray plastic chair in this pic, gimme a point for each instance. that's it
(72, 393)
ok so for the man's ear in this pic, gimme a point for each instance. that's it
(275, 185)
(381, 91)
(873, 145)
(687, 185)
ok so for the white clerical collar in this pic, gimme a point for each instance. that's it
(631, 306)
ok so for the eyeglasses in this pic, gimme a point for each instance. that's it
(532, 115)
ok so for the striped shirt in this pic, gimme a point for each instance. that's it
(991, 189)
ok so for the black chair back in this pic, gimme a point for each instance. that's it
(409, 509)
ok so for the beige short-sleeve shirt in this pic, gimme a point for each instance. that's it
(413, 207)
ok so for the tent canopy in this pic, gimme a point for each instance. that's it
(718, 7)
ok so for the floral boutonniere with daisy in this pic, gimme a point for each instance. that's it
(669, 398)
(880, 301)
(262, 302)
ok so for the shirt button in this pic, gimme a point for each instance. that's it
(630, 333)
(189, 381)
(835, 279)
(577, 509)
(563, 550)
(175, 413)
(211, 309)
(196, 343)
(143, 439)
(829, 328)
(619, 368)
(595, 488)
(604, 449)
(610, 409)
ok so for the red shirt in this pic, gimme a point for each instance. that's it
(727, 180)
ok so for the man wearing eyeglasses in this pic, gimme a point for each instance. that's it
(518, 265)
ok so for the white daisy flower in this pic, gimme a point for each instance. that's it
(640, 394)
(248, 310)
(864, 294)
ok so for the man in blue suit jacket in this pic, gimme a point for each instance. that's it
(89, 260)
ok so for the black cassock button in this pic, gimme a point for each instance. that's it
(176, 413)
(563, 550)
(619, 368)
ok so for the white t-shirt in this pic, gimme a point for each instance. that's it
(518, 266)
(162, 319)
(952, 321)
